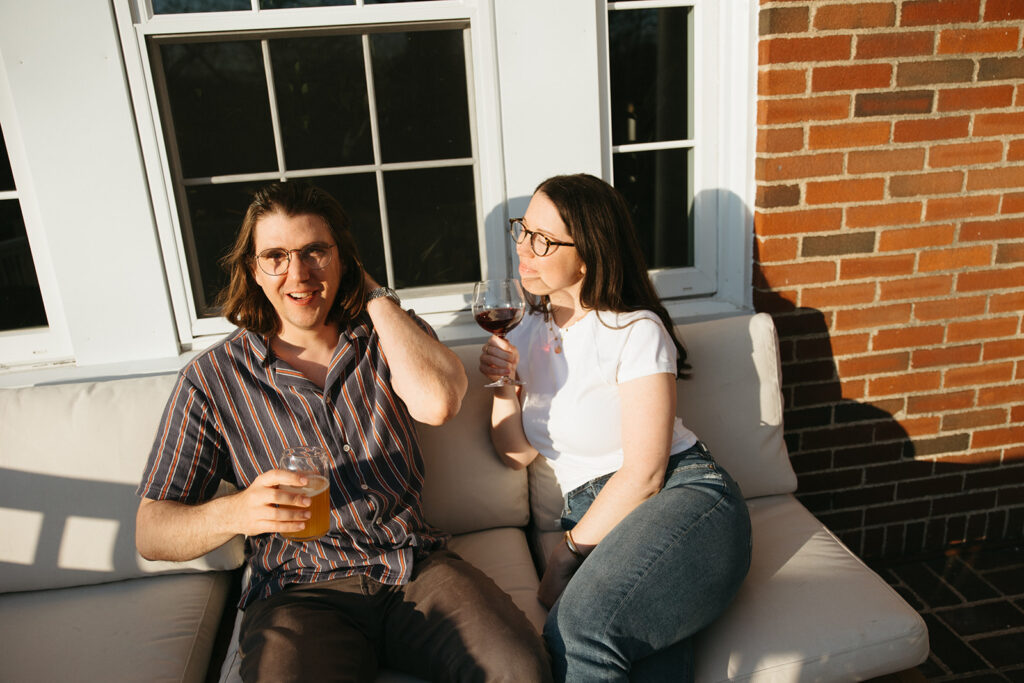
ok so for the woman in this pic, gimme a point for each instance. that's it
(657, 535)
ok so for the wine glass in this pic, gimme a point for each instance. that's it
(498, 306)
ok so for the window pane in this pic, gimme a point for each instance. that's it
(218, 99)
(420, 81)
(659, 191)
(432, 219)
(185, 6)
(6, 175)
(357, 194)
(322, 101)
(285, 4)
(650, 74)
(21, 303)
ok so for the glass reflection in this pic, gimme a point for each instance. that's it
(21, 302)
(650, 68)
(189, 6)
(218, 100)
(420, 81)
(432, 219)
(357, 193)
(658, 188)
(322, 101)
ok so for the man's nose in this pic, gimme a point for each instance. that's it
(297, 267)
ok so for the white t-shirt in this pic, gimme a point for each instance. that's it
(571, 410)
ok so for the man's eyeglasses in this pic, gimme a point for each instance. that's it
(276, 261)
(541, 245)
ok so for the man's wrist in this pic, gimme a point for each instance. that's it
(383, 293)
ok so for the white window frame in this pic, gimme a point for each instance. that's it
(33, 346)
(442, 305)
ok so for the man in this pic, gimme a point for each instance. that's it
(323, 356)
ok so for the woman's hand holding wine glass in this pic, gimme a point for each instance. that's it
(498, 306)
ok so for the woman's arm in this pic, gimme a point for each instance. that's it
(648, 413)
(500, 358)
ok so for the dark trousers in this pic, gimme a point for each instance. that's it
(449, 623)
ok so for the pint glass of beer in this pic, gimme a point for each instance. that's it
(313, 463)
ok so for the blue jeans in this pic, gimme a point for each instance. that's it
(661, 575)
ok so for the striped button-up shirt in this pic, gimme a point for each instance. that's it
(236, 406)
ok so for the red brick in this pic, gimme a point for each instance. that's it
(974, 418)
(978, 374)
(909, 44)
(874, 215)
(778, 249)
(930, 12)
(1006, 278)
(931, 72)
(872, 316)
(1015, 152)
(965, 154)
(954, 259)
(1003, 10)
(783, 20)
(801, 109)
(876, 266)
(844, 191)
(947, 355)
(907, 383)
(945, 182)
(1004, 348)
(922, 426)
(837, 295)
(989, 328)
(798, 166)
(895, 103)
(885, 160)
(1017, 414)
(781, 82)
(780, 140)
(948, 128)
(1013, 202)
(980, 97)
(1010, 253)
(995, 178)
(966, 41)
(916, 238)
(819, 49)
(874, 365)
(983, 231)
(848, 344)
(777, 301)
(796, 222)
(905, 337)
(863, 15)
(1000, 68)
(997, 437)
(916, 287)
(950, 309)
(847, 135)
(852, 390)
(798, 273)
(935, 403)
(1005, 123)
(942, 209)
(1004, 303)
(855, 77)
(990, 396)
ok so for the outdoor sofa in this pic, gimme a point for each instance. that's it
(78, 603)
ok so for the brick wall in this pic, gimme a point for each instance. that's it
(890, 250)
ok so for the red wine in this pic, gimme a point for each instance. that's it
(499, 320)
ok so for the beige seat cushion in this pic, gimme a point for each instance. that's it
(809, 609)
(159, 628)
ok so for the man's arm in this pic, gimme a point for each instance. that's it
(169, 530)
(425, 373)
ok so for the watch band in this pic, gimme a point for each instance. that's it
(383, 291)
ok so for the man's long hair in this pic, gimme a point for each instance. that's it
(601, 226)
(242, 301)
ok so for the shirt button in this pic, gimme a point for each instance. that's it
(364, 487)
(347, 448)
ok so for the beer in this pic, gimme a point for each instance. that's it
(319, 522)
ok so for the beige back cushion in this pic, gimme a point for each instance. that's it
(732, 400)
(71, 457)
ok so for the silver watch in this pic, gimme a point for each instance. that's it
(383, 291)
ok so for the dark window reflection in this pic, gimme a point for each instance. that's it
(420, 79)
(432, 220)
(650, 74)
(221, 115)
(185, 6)
(285, 4)
(21, 303)
(659, 191)
(322, 101)
(358, 196)
(6, 175)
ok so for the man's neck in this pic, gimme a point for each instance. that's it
(309, 351)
